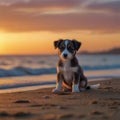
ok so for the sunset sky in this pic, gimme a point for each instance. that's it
(31, 26)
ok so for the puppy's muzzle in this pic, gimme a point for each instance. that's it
(65, 55)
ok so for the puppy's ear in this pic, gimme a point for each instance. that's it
(57, 43)
(76, 44)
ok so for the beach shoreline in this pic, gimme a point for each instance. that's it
(42, 104)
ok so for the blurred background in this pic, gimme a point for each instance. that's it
(29, 27)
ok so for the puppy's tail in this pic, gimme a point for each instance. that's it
(96, 86)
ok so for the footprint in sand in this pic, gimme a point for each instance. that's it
(22, 101)
(93, 102)
(4, 114)
(18, 114)
(66, 116)
(22, 114)
(95, 112)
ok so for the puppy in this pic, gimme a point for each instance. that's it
(70, 75)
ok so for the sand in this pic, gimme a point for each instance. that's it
(42, 104)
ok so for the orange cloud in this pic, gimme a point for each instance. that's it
(111, 6)
(22, 16)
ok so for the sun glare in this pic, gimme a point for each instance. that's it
(42, 42)
(26, 43)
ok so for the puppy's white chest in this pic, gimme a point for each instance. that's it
(68, 76)
(67, 71)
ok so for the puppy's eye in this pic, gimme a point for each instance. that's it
(62, 47)
(70, 47)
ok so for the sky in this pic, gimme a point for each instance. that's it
(31, 26)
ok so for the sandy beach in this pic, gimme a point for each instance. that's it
(42, 41)
(42, 104)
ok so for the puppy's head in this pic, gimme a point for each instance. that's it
(67, 48)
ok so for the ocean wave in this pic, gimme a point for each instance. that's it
(23, 71)
(18, 85)
(102, 67)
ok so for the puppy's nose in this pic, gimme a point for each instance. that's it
(65, 55)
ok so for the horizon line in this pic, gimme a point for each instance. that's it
(79, 52)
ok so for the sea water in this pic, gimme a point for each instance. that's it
(32, 72)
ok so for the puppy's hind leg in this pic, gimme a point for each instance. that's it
(83, 85)
(66, 87)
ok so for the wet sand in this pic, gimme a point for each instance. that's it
(42, 104)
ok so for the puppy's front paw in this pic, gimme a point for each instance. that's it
(55, 90)
(75, 89)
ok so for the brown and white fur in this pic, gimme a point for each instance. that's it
(70, 75)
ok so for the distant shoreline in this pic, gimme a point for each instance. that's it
(113, 51)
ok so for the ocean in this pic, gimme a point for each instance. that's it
(19, 73)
